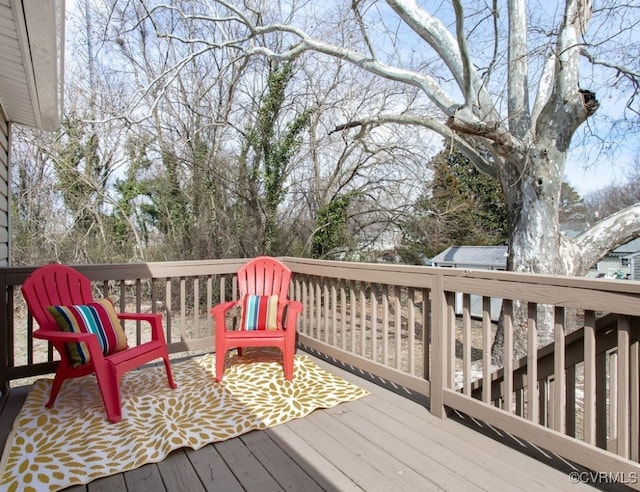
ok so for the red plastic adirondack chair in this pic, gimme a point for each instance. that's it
(60, 285)
(265, 321)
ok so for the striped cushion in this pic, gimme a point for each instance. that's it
(98, 317)
(259, 312)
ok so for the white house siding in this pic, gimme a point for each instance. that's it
(4, 189)
(635, 266)
(477, 305)
(608, 265)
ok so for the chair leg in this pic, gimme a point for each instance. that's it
(220, 356)
(55, 389)
(167, 368)
(287, 362)
(288, 355)
(109, 386)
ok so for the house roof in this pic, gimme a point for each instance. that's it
(32, 56)
(629, 248)
(472, 256)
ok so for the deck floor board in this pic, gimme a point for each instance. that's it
(246, 467)
(212, 470)
(383, 442)
(327, 475)
(147, 477)
(178, 474)
(278, 463)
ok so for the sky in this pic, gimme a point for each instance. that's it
(595, 177)
(590, 168)
(585, 181)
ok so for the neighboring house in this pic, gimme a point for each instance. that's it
(31, 79)
(483, 257)
(634, 266)
(618, 263)
(474, 257)
(622, 262)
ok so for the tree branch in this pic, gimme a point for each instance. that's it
(470, 98)
(435, 33)
(518, 79)
(361, 26)
(564, 96)
(470, 151)
(427, 84)
(606, 235)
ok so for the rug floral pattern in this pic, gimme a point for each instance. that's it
(72, 443)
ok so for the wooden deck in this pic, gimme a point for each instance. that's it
(383, 442)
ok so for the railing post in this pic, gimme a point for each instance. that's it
(622, 416)
(426, 333)
(589, 403)
(533, 402)
(559, 378)
(634, 394)
(439, 347)
(601, 400)
(4, 336)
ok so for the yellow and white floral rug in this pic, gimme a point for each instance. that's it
(72, 443)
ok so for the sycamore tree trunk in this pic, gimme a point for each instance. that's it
(531, 152)
(533, 245)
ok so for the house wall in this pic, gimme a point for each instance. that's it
(4, 189)
(476, 307)
(608, 265)
(635, 267)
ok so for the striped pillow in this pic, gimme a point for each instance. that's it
(259, 312)
(97, 317)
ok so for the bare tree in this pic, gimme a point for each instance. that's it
(370, 172)
(180, 146)
(64, 182)
(194, 118)
(37, 220)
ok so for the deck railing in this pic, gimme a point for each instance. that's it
(427, 330)
(577, 397)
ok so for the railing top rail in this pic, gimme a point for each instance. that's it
(125, 271)
(622, 297)
(325, 267)
(417, 275)
(619, 296)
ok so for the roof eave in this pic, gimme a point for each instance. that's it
(40, 28)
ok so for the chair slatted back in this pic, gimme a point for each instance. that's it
(264, 276)
(54, 285)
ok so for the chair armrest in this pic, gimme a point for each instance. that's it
(293, 309)
(59, 338)
(63, 336)
(141, 316)
(219, 313)
(154, 320)
(223, 308)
